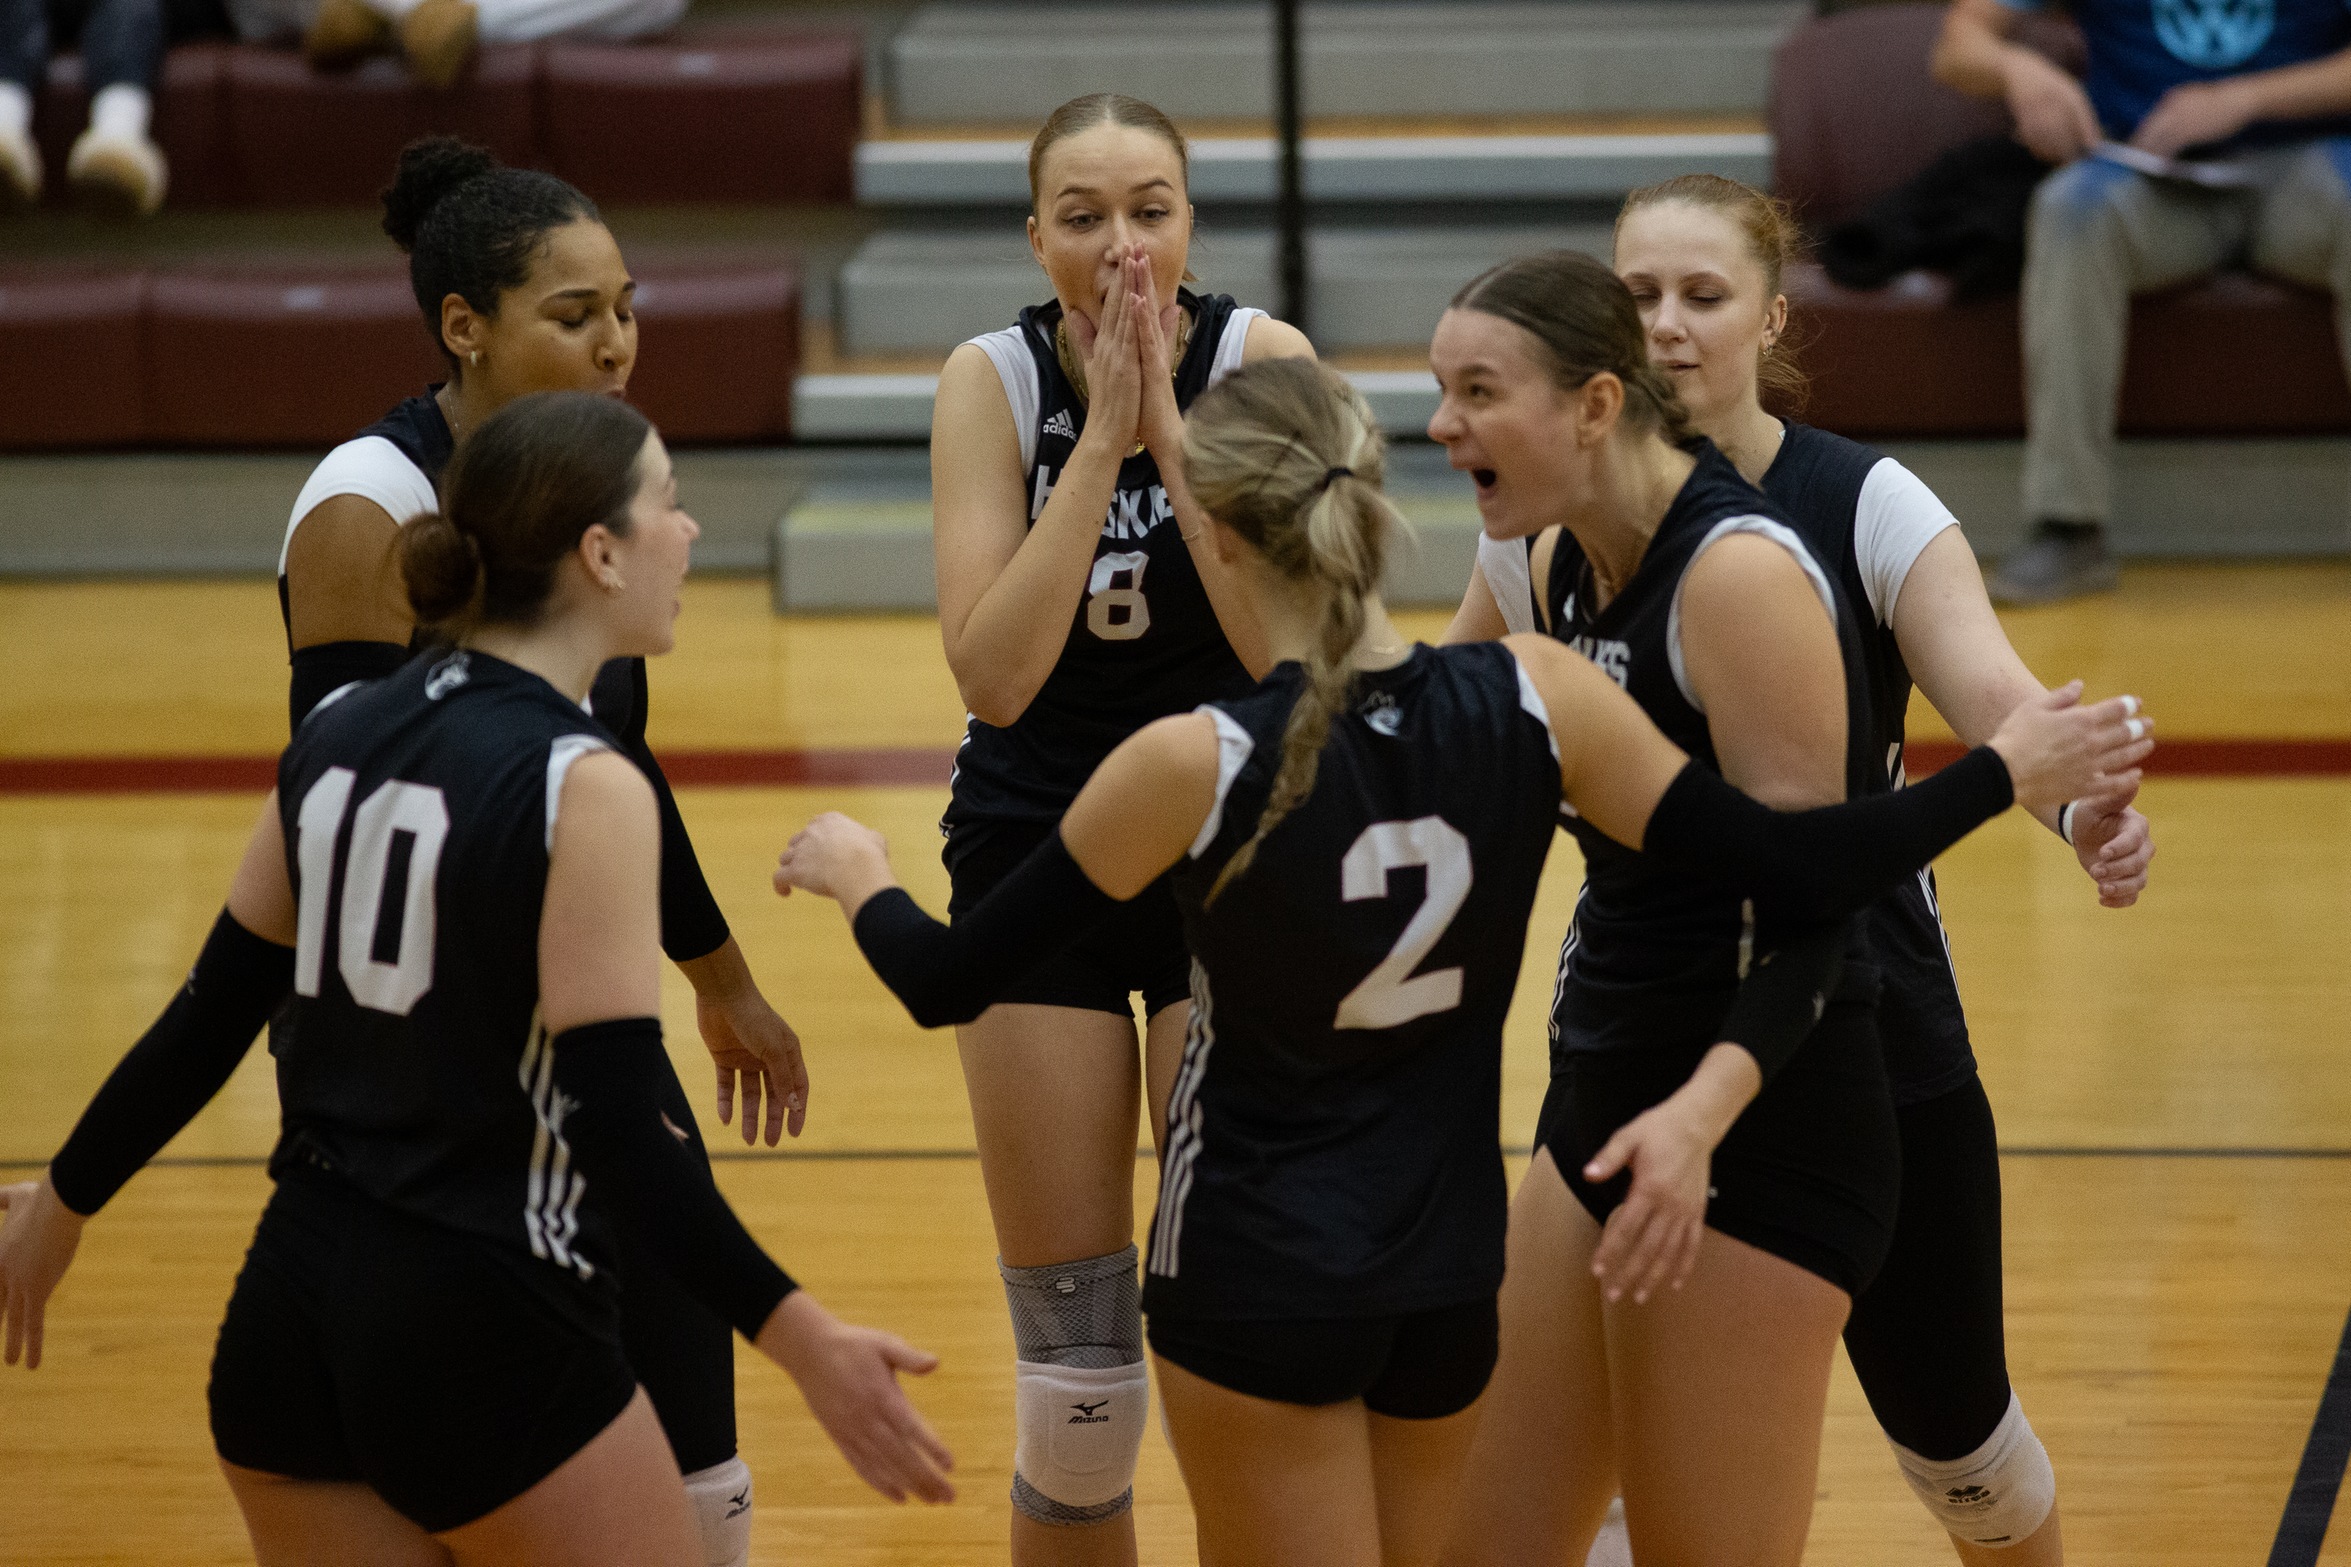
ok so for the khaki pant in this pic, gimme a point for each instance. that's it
(2100, 233)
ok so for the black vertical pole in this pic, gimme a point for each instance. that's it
(1289, 195)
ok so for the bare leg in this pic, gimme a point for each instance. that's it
(326, 1523)
(1719, 1392)
(1542, 1466)
(1055, 1097)
(1416, 1479)
(618, 1499)
(1283, 1485)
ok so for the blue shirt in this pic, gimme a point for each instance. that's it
(2141, 49)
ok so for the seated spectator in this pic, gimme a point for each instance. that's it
(438, 37)
(114, 164)
(2262, 86)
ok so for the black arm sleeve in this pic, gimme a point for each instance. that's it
(328, 667)
(1811, 867)
(952, 973)
(1785, 990)
(692, 925)
(176, 1067)
(615, 1073)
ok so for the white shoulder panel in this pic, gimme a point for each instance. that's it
(370, 467)
(1233, 344)
(1017, 369)
(1233, 747)
(1780, 534)
(1504, 565)
(1896, 518)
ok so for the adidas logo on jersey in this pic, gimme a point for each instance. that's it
(1060, 424)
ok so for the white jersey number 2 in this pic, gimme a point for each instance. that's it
(393, 984)
(1116, 610)
(1391, 993)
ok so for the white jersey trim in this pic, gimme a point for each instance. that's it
(1895, 520)
(371, 468)
(1233, 749)
(1016, 367)
(1780, 534)
(565, 750)
(1531, 702)
(1510, 578)
(1186, 1126)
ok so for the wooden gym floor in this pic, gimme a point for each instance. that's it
(2171, 1081)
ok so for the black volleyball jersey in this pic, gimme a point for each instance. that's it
(418, 812)
(1144, 641)
(1333, 1136)
(397, 462)
(1866, 518)
(1651, 954)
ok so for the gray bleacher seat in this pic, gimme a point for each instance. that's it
(1012, 64)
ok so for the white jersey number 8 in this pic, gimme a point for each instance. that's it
(1116, 610)
(1391, 993)
(393, 986)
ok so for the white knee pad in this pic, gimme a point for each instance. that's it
(1081, 1394)
(1997, 1495)
(1081, 1430)
(721, 1496)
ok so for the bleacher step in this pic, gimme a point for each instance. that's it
(998, 63)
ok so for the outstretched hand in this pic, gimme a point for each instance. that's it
(849, 1376)
(2059, 748)
(836, 857)
(37, 1243)
(757, 1057)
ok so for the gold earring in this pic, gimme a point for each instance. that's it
(475, 357)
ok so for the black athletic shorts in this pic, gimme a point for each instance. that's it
(1139, 947)
(434, 1366)
(1811, 1172)
(1422, 1365)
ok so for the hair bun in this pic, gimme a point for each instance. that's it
(442, 567)
(429, 170)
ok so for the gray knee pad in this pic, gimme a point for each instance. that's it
(1082, 1395)
(721, 1496)
(1997, 1495)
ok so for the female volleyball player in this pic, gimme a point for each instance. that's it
(524, 291)
(1680, 581)
(1703, 257)
(1356, 847)
(455, 881)
(1078, 601)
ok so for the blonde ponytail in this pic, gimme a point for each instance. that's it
(1287, 455)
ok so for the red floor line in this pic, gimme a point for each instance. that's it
(870, 766)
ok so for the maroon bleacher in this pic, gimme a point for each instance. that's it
(736, 116)
(709, 114)
(1856, 113)
(278, 354)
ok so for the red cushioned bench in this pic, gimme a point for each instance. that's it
(1856, 113)
(713, 114)
(278, 354)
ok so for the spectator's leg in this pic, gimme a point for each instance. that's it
(2303, 231)
(24, 55)
(2097, 234)
(525, 21)
(115, 164)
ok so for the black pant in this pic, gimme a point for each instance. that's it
(1926, 1335)
(122, 41)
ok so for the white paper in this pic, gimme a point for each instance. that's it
(2212, 174)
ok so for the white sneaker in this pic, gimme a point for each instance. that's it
(20, 171)
(121, 176)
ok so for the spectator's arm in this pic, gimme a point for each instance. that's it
(1975, 56)
(2195, 113)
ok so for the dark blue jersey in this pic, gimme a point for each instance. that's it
(1144, 641)
(418, 813)
(1333, 1142)
(1817, 481)
(1653, 957)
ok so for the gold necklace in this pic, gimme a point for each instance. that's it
(1074, 368)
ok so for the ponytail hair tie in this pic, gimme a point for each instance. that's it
(1332, 474)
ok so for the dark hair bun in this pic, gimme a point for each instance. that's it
(429, 170)
(442, 567)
